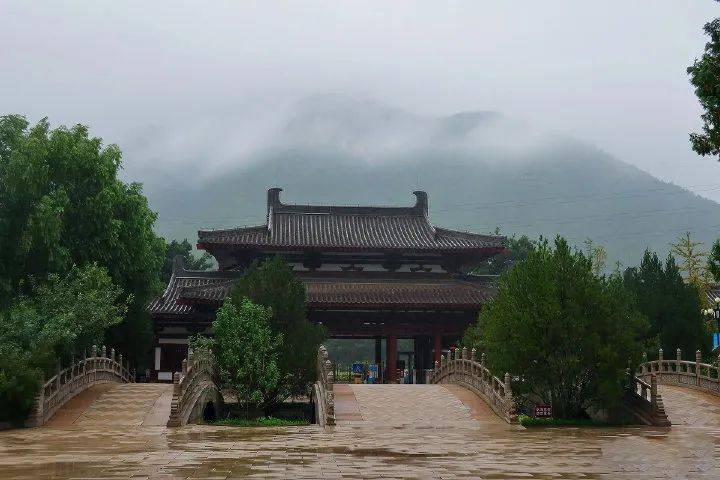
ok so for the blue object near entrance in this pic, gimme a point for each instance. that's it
(358, 368)
(372, 373)
(716, 340)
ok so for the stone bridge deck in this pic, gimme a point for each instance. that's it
(113, 404)
(685, 406)
(400, 406)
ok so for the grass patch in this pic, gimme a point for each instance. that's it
(527, 421)
(261, 422)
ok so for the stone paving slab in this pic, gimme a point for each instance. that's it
(685, 406)
(468, 445)
(117, 404)
(347, 408)
(71, 411)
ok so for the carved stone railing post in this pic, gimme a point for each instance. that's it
(323, 394)
(653, 393)
(698, 366)
(473, 353)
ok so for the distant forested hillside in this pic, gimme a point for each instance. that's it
(481, 172)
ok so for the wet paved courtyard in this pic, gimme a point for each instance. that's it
(390, 432)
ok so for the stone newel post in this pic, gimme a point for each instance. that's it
(653, 392)
(678, 355)
(482, 359)
(508, 387)
(437, 365)
(473, 354)
(184, 366)
(464, 353)
(93, 351)
(442, 359)
(698, 361)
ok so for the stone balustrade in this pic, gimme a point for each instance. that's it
(196, 394)
(644, 401)
(100, 367)
(467, 371)
(323, 396)
(684, 373)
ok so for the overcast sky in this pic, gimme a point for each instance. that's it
(611, 73)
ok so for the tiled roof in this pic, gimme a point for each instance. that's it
(408, 294)
(187, 280)
(326, 291)
(349, 228)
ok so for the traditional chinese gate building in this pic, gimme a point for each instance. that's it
(369, 272)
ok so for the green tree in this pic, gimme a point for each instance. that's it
(62, 204)
(693, 263)
(565, 334)
(597, 256)
(705, 77)
(273, 284)
(672, 306)
(247, 353)
(183, 249)
(61, 317)
(713, 264)
(517, 250)
(19, 382)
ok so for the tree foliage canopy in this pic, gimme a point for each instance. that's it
(59, 318)
(705, 77)
(272, 284)
(62, 204)
(247, 353)
(564, 333)
(713, 264)
(671, 306)
(183, 249)
(517, 250)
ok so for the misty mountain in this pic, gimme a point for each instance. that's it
(481, 170)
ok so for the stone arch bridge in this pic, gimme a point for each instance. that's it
(99, 389)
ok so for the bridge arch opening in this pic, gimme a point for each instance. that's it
(209, 412)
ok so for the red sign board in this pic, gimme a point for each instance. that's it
(542, 411)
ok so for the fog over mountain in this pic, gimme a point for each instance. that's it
(481, 170)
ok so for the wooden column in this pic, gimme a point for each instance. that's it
(391, 358)
(437, 346)
(378, 350)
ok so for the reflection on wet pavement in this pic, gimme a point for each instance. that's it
(378, 447)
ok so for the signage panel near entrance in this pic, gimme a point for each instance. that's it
(542, 411)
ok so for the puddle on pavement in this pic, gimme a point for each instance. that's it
(360, 451)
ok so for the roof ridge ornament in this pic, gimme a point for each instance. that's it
(421, 202)
(178, 264)
(273, 202)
